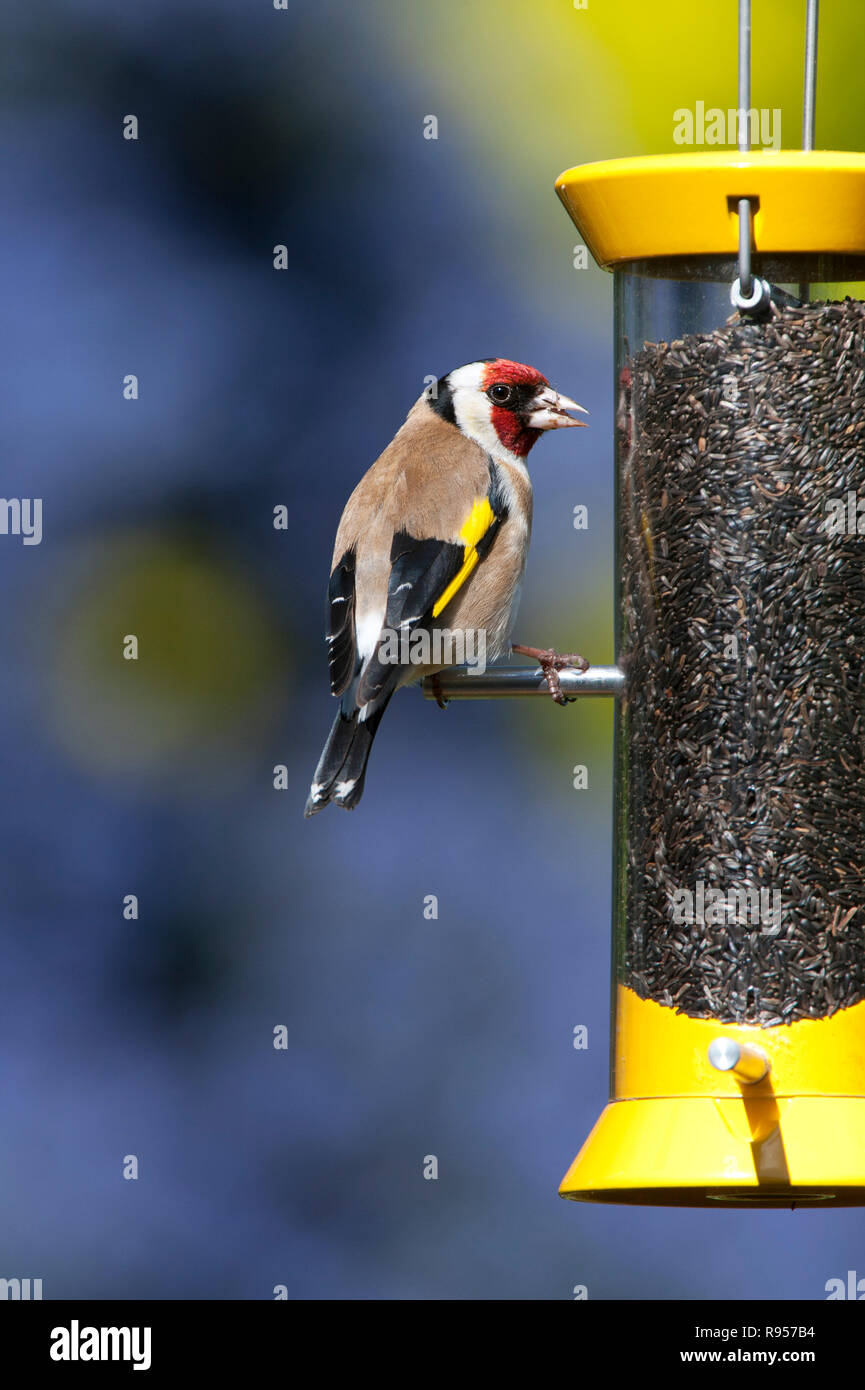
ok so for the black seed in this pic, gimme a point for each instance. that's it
(744, 762)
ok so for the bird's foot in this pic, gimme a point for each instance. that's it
(551, 663)
(437, 691)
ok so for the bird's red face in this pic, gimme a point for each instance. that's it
(503, 404)
(523, 404)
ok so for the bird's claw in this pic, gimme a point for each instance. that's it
(441, 700)
(551, 663)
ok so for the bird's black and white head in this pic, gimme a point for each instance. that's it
(503, 406)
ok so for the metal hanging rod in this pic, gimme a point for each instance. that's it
(506, 682)
(810, 97)
(748, 293)
(744, 130)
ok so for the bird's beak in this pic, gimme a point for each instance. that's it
(548, 411)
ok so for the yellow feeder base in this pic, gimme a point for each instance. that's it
(696, 1151)
(680, 1133)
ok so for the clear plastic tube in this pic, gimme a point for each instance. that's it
(740, 741)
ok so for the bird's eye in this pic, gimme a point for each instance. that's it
(500, 394)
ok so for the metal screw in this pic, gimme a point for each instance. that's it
(747, 1062)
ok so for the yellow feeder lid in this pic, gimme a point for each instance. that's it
(686, 204)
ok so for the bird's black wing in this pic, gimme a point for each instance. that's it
(425, 575)
(341, 644)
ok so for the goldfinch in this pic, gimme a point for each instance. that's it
(433, 541)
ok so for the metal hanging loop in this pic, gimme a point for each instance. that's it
(760, 293)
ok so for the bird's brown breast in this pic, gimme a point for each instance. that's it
(425, 483)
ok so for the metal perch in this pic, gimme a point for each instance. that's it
(506, 682)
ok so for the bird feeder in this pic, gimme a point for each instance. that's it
(739, 1034)
(738, 1055)
(738, 1012)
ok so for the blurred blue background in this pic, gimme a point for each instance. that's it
(258, 388)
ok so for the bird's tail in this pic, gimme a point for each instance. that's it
(341, 769)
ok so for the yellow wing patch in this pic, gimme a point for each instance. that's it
(473, 529)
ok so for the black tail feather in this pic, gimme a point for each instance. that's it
(341, 769)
